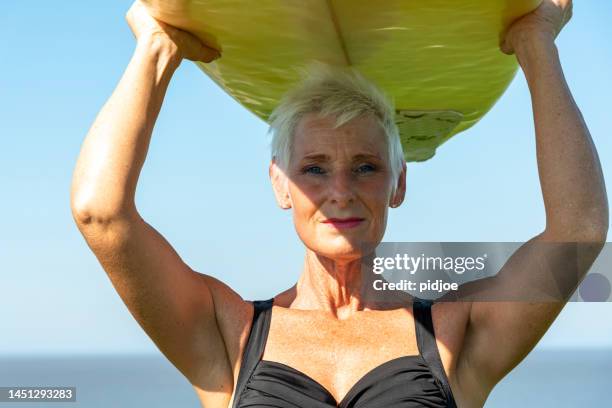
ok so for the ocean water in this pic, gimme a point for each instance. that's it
(545, 379)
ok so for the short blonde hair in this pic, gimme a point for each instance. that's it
(342, 93)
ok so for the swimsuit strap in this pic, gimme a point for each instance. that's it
(255, 344)
(426, 341)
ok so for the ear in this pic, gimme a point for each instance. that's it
(400, 190)
(280, 185)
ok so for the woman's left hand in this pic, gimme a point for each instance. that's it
(544, 22)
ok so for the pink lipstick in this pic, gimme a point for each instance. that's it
(342, 223)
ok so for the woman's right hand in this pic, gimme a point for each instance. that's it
(149, 30)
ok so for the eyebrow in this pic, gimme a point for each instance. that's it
(324, 157)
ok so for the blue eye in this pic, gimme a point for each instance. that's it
(366, 168)
(313, 170)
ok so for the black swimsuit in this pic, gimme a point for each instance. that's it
(404, 382)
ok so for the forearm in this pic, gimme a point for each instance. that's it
(570, 173)
(114, 151)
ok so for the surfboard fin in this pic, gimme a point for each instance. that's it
(422, 131)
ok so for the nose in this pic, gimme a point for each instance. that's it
(342, 188)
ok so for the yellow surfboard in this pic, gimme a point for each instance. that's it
(439, 60)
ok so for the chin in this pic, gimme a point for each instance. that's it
(342, 249)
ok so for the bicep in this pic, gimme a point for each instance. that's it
(512, 311)
(171, 302)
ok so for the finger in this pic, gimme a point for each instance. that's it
(505, 48)
(207, 54)
(569, 12)
(201, 51)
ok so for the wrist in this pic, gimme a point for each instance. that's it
(162, 51)
(534, 48)
(538, 58)
(527, 43)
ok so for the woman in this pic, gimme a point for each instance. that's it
(322, 343)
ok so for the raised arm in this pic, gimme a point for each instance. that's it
(115, 148)
(171, 302)
(501, 334)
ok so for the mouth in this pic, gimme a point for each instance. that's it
(342, 223)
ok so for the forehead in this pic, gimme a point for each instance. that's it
(315, 134)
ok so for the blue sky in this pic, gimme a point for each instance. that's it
(207, 168)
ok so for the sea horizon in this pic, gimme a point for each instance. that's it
(553, 377)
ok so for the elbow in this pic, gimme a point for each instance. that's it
(589, 232)
(88, 213)
(597, 235)
(601, 234)
(594, 227)
(85, 216)
(598, 221)
(81, 213)
(588, 222)
(597, 225)
(591, 229)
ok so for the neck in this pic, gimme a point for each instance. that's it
(340, 287)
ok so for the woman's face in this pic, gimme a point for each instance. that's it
(339, 185)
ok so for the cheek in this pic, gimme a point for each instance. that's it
(304, 202)
(307, 185)
(306, 193)
(376, 197)
(377, 191)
